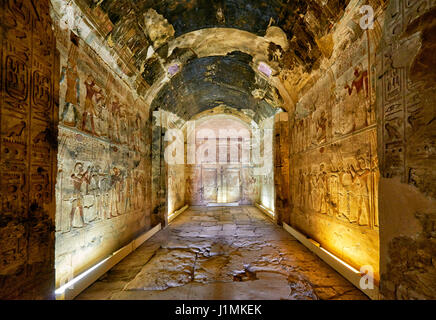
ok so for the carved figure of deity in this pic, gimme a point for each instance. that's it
(124, 125)
(70, 114)
(93, 96)
(300, 192)
(139, 188)
(137, 135)
(321, 128)
(361, 177)
(105, 197)
(333, 191)
(344, 199)
(359, 98)
(78, 177)
(312, 190)
(114, 126)
(102, 116)
(128, 187)
(115, 192)
(323, 188)
(96, 188)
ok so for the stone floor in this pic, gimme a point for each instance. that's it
(222, 253)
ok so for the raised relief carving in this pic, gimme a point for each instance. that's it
(79, 178)
(342, 188)
(102, 160)
(70, 113)
(94, 95)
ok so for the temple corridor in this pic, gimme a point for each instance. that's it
(222, 253)
(225, 149)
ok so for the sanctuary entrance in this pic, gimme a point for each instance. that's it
(221, 184)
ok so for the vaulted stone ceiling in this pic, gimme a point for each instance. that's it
(214, 81)
(151, 36)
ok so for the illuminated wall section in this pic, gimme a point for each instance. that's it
(333, 156)
(168, 144)
(266, 180)
(103, 158)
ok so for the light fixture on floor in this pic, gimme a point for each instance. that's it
(265, 210)
(69, 285)
(340, 261)
(347, 271)
(74, 287)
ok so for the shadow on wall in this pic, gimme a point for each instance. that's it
(406, 103)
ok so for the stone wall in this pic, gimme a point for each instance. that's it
(266, 181)
(281, 168)
(362, 140)
(104, 163)
(406, 105)
(168, 164)
(333, 155)
(28, 147)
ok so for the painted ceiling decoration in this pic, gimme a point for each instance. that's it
(210, 82)
(161, 40)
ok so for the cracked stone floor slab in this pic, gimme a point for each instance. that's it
(222, 253)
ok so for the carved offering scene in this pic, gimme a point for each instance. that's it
(229, 150)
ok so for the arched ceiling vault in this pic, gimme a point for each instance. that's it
(213, 81)
(216, 47)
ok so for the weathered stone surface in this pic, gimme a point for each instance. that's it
(334, 163)
(190, 261)
(210, 82)
(104, 163)
(406, 111)
(28, 121)
(353, 155)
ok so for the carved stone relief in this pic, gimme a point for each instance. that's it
(28, 120)
(103, 162)
(334, 163)
(406, 112)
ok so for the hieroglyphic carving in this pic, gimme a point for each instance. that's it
(103, 174)
(339, 180)
(407, 113)
(406, 106)
(27, 149)
(228, 176)
(334, 164)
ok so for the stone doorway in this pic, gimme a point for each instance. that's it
(221, 184)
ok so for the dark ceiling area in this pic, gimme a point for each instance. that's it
(209, 82)
(125, 22)
(133, 27)
(189, 15)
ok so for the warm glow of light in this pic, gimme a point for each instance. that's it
(267, 202)
(340, 261)
(71, 283)
(267, 210)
